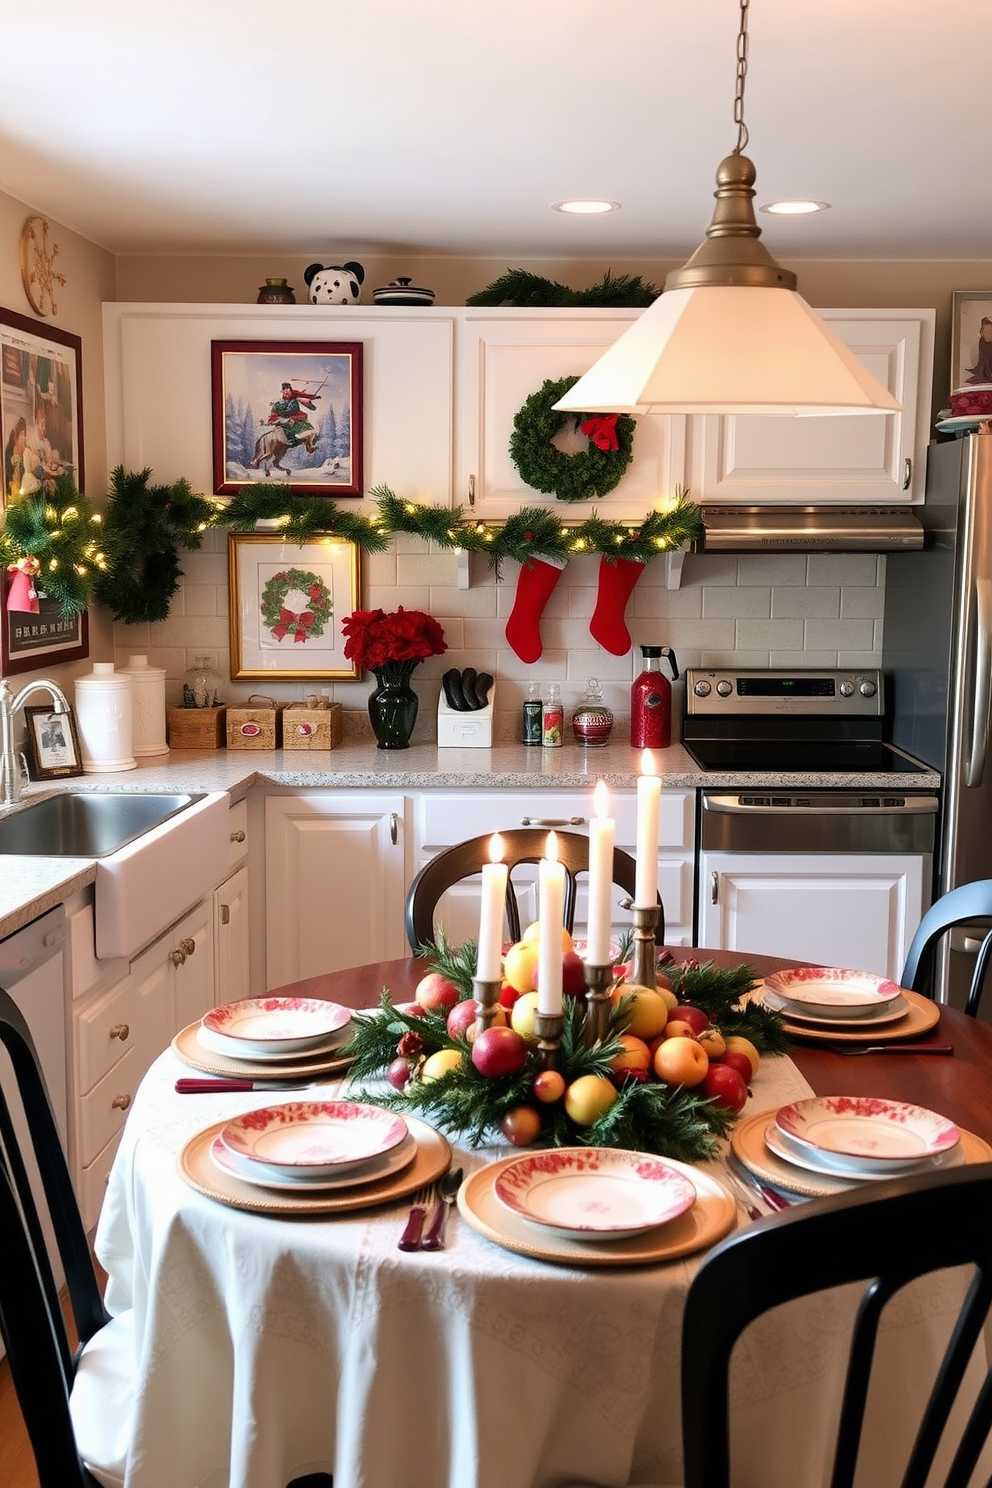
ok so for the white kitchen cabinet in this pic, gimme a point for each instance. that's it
(504, 356)
(832, 909)
(444, 818)
(335, 881)
(877, 458)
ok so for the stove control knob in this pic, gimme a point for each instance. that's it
(702, 689)
(846, 689)
(868, 689)
(724, 688)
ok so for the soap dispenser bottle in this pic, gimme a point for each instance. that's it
(651, 700)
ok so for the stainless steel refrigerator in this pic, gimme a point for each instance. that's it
(937, 654)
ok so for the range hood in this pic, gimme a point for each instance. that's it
(809, 529)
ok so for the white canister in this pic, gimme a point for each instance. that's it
(104, 719)
(148, 706)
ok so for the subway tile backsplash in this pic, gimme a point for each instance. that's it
(761, 610)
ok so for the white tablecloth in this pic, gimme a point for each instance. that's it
(269, 1348)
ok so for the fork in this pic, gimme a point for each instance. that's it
(410, 1238)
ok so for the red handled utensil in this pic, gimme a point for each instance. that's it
(190, 1085)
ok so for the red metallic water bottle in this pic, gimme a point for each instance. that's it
(651, 701)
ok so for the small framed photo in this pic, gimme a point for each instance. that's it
(287, 411)
(288, 602)
(53, 745)
(971, 337)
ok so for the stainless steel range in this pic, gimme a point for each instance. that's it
(838, 874)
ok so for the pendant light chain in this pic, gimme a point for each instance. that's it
(742, 134)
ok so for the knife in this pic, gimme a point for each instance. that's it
(190, 1086)
(891, 1048)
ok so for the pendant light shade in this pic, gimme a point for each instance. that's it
(730, 333)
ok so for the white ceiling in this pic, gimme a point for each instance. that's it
(216, 126)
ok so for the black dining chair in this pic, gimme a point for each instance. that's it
(969, 904)
(75, 1401)
(520, 845)
(881, 1236)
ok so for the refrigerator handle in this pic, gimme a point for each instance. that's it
(974, 767)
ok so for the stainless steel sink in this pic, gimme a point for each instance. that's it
(86, 824)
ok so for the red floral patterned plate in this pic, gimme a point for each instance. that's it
(867, 1128)
(374, 1170)
(272, 1027)
(594, 1193)
(320, 1138)
(833, 991)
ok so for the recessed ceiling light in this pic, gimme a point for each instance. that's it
(585, 208)
(794, 208)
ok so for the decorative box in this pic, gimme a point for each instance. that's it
(315, 724)
(195, 728)
(258, 725)
(465, 730)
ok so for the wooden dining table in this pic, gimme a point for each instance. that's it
(270, 1347)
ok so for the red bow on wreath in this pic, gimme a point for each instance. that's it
(290, 620)
(601, 430)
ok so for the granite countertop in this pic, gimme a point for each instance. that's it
(29, 886)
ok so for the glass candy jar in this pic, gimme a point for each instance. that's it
(592, 721)
(202, 685)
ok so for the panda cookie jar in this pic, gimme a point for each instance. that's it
(336, 284)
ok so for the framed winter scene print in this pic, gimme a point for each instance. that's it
(288, 602)
(287, 412)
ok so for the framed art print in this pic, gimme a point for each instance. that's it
(290, 412)
(53, 745)
(971, 338)
(41, 418)
(288, 602)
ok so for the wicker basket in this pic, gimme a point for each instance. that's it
(258, 725)
(315, 724)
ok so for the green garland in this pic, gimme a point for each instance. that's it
(142, 531)
(580, 477)
(62, 530)
(520, 287)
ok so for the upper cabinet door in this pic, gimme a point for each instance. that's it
(878, 458)
(504, 357)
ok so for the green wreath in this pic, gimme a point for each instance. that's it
(283, 622)
(579, 477)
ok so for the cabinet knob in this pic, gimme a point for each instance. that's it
(187, 945)
(177, 957)
(120, 1102)
(120, 1031)
(238, 836)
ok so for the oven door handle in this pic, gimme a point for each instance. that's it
(974, 765)
(736, 805)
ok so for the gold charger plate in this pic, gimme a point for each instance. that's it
(189, 1049)
(923, 1015)
(712, 1216)
(747, 1143)
(201, 1172)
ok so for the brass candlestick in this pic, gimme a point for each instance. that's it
(487, 996)
(645, 954)
(548, 1027)
(599, 980)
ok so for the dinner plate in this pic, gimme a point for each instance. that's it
(833, 991)
(889, 1012)
(216, 1044)
(842, 1166)
(712, 1216)
(274, 1026)
(431, 1159)
(747, 1143)
(867, 1128)
(594, 1193)
(186, 1045)
(368, 1172)
(961, 421)
(923, 1015)
(319, 1138)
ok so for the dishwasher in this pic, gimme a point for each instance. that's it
(836, 874)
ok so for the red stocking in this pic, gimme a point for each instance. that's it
(535, 586)
(616, 584)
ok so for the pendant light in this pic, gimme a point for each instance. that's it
(730, 333)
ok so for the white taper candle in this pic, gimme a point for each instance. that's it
(489, 960)
(551, 890)
(648, 813)
(602, 836)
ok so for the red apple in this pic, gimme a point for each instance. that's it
(738, 1060)
(412, 1009)
(508, 996)
(521, 1124)
(435, 993)
(687, 1012)
(462, 1016)
(499, 1051)
(573, 974)
(726, 1086)
(398, 1073)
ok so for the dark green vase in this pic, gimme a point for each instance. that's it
(393, 706)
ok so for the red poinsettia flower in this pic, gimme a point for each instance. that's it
(374, 638)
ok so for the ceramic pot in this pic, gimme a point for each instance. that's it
(393, 706)
(276, 292)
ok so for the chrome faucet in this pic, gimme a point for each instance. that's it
(10, 770)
